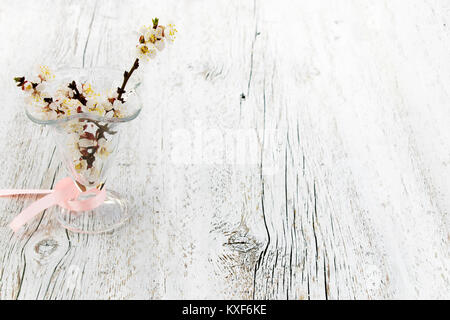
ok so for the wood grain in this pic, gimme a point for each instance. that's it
(287, 150)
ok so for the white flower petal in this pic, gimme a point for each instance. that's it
(160, 44)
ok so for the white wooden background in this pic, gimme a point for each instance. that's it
(340, 188)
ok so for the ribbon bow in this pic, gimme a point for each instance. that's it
(62, 195)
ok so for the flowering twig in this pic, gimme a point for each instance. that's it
(91, 145)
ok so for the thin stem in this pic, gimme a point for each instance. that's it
(126, 76)
(97, 123)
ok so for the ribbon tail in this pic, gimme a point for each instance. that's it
(32, 210)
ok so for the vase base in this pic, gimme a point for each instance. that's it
(112, 214)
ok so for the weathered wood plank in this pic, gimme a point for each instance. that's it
(363, 204)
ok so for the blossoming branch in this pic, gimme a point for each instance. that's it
(89, 140)
(72, 98)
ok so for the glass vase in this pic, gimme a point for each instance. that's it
(87, 144)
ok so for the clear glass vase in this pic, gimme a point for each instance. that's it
(87, 144)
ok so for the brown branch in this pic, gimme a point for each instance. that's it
(77, 95)
(97, 123)
(126, 76)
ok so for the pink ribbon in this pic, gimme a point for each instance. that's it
(62, 195)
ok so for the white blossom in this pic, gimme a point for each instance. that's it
(112, 94)
(107, 106)
(80, 165)
(28, 86)
(44, 73)
(146, 51)
(41, 87)
(160, 44)
(150, 35)
(170, 32)
(90, 103)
